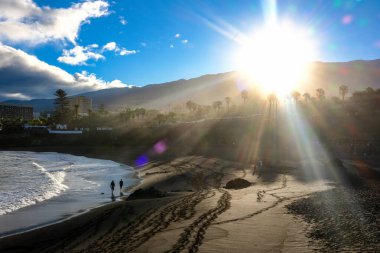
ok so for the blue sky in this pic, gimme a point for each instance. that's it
(145, 30)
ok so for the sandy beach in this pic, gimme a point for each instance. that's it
(189, 126)
(196, 214)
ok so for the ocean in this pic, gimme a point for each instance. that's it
(51, 186)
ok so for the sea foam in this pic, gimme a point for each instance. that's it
(29, 178)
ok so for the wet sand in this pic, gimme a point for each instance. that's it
(197, 215)
(84, 184)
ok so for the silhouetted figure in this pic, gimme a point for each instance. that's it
(121, 183)
(112, 185)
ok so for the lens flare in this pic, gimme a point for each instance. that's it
(277, 59)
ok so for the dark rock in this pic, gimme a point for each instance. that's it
(237, 183)
(147, 194)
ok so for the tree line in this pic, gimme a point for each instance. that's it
(66, 113)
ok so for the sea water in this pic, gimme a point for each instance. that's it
(49, 186)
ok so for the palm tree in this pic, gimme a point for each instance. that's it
(370, 90)
(217, 105)
(102, 109)
(306, 97)
(142, 112)
(76, 110)
(272, 98)
(244, 95)
(191, 106)
(61, 106)
(139, 113)
(320, 93)
(160, 118)
(343, 90)
(272, 105)
(171, 117)
(335, 100)
(296, 96)
(125, 115)
(228, 102)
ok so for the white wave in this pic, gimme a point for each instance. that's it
(57, 177)
(27, 178)
(43, 187)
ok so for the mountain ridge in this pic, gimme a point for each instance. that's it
(356, 74)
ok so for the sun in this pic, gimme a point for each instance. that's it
(277, 59)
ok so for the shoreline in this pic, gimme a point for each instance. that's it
(23, 240)
(196, 200)
(65, 217)
(53, 222)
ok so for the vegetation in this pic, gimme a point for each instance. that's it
(306, 97)
(244, 95)
(296, 96)
(198, 127)
(228, 102)
(343, 90)
(320, 94)
(62, 107)
(217, 105)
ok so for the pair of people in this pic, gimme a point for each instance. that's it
(112, 185)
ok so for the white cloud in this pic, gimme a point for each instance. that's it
(177, 35)
(122, 20)
(110, 46)
(18, 96)
(171, 46)
(184, 41)
(23, 21)
(11, 58)
(127, 52)
(89, 79)
(80, 55)
(16, 9)
(24, 75)
(117, 84)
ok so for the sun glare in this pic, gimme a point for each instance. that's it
(276, 59)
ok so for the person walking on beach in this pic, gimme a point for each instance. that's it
(112, 185)
(121, 183)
